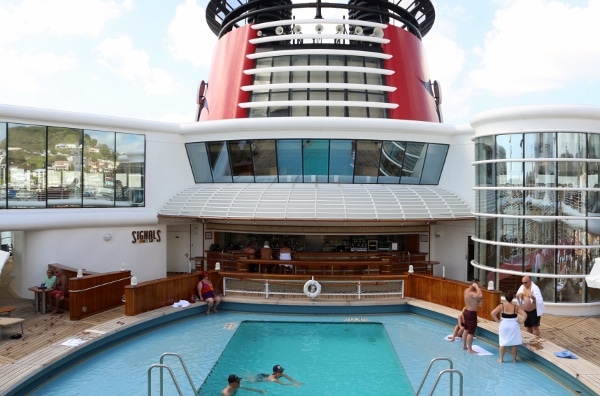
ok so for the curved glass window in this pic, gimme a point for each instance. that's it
(536, 209)
(59, 167)
(317, 161)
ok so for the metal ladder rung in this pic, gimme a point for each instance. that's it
(164, 366)
(450, 371)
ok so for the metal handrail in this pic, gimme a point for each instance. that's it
(163, 366)
(451, 371)
(187, 372)
(438, 377)
(355, 287)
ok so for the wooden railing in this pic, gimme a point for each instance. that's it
(449, 293)
(159, 293)
(91, 294)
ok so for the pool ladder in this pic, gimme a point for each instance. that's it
(450, 371)
(163, 366)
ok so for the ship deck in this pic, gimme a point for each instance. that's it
(44, 334)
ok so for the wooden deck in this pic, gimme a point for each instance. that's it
(44, 334)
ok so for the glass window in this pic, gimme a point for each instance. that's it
(262, 79)
(26, 163)
(198, 157)
(99, 168)
(219, 162)
(279, 111)
(263, 62)
(341, 161)
(366, 164)
(337, 111)
(509, 147)
(282, 77)
(570, 147)
(355, 78)
(241, 161)
(392, 156)
(289, 155)
(413, 163)
(265, 160)
(434, 163)
(59, 167)
(320, 160)
(64, 174)
(3, 181)
(315, 159)
(129, 180)
(373, 79)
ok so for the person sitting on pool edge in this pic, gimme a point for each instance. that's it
(235, 383)
(275, 377)
(207, 293)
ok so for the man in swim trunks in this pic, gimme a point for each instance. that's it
(473, 297)
(275, 377)
(529, 297)
(61, 289)
(235, 383)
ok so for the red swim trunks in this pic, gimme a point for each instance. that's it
(470, 321)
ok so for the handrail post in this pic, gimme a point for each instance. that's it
(187, 373)
(162, 366)
(429, 369)
(359, 287)
(267, 289)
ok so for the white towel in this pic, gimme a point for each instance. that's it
(481, 351)
(181, 303)
(73, 342)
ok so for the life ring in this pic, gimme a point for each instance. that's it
(312, 288)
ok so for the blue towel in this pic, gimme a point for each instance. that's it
(565, 354)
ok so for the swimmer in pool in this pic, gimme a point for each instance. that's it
(235, 383)
(275, 377)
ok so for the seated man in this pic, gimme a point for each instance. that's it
(285, 253)
(266, 253)
(61, 290)
(250, 250)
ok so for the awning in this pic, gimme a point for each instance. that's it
(317, 202)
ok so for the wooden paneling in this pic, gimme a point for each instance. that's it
(158, 293)
(96, 293)
(449, 293)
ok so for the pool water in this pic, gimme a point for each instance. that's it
(328, 358)
(211, 352)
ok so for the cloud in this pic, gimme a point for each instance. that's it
(190, 39)
(24, 72)
(538, 45)
(447, 60)
(120, 57)
(57, 17)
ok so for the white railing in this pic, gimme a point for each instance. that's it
(330, 289)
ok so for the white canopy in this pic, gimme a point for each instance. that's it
(318, 202)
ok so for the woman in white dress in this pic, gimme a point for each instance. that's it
(509, 332)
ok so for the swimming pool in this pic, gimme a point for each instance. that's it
(323, 356)
(201, 340)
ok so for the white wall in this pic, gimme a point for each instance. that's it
(86, 249)
(458, 175)
(451, 248)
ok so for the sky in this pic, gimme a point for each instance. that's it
(144, 59)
